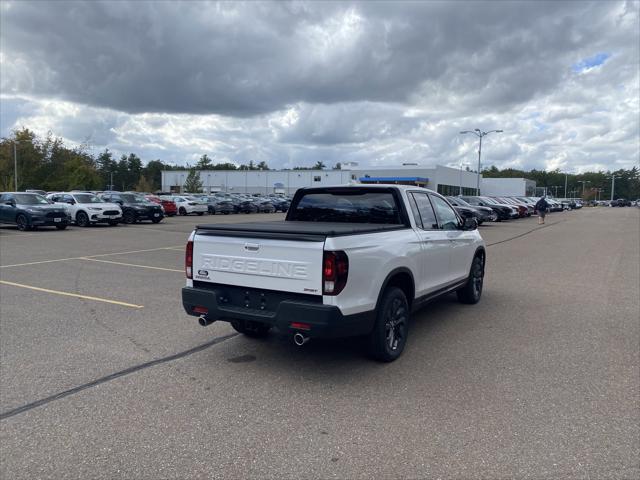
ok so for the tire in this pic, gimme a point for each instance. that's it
(82, 219)
(23, 223)
(251, 329)
(200, 213)
(129, 217)
(391, 329)
(156, 220)
(472, 290)
(113, 223)
(182, 211)
(61, 227)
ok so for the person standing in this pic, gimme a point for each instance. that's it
(542, 206)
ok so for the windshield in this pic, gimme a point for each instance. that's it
(30, 199)
(462, 202)
(87, 198)
(356, 206)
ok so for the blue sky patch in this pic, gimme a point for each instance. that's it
(590, 62)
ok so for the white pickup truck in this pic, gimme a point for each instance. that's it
(346, 261)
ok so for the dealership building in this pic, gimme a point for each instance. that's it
(445, 180)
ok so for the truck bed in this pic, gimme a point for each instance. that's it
(309, 231)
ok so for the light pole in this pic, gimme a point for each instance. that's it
(461, 165)
(613, 183)
(479, 133)
(583, 182)
(15, 166)
(208, 183)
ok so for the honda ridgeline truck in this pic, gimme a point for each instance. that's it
(347, 261)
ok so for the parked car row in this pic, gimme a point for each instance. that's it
(60, 209)
(225, 204)
(498, 209)
(29, 210)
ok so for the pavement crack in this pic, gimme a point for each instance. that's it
(113, 376)
(540, 227)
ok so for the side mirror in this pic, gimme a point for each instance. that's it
(72, 202)
(11, 203)
(119, 202)
(470, 223)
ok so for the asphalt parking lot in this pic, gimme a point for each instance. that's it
(103, 375)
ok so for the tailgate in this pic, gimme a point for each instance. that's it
(273, 264)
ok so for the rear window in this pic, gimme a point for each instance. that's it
(347, 207)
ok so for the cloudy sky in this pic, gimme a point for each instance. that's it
(293, 83)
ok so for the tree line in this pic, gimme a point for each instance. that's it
(587, 185)
(48, 164)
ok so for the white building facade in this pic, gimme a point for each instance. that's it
(520, 187)
(445, 180)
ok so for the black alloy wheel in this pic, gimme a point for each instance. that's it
(472, 290)
(82, 219)
(22, 223)
(182, 211)
(389, 335)
(129, 217)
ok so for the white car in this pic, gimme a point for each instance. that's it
(187, 205)
(86, 208)
(347, 261)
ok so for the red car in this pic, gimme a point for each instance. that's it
(169, 206)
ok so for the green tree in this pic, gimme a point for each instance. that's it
(153, 173)
(319, 165)
(224, 166)
(134, 170)
(204, 163)
(106, 165)
(144, 185)
(193, 184)
(262, 166)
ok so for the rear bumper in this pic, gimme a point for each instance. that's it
(325, 321)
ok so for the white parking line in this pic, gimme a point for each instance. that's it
(132, 265)
(87, 256)
(68, 294)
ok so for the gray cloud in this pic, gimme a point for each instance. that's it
(293, 83)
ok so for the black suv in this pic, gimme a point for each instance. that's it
(134, 207)
(30, 210)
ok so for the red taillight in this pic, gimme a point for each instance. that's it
(201, 310)
(300, 326)
(335, 270)
(188, 260)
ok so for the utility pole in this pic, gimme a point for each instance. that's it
(566, 175)
(613, 184)
(460, 191)
(479, 133)
(15, 167)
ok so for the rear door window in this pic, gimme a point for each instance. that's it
(427, 218)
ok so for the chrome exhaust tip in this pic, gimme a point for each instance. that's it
(205, 321)
(299, 339)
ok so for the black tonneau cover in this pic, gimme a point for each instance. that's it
(306, 231)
